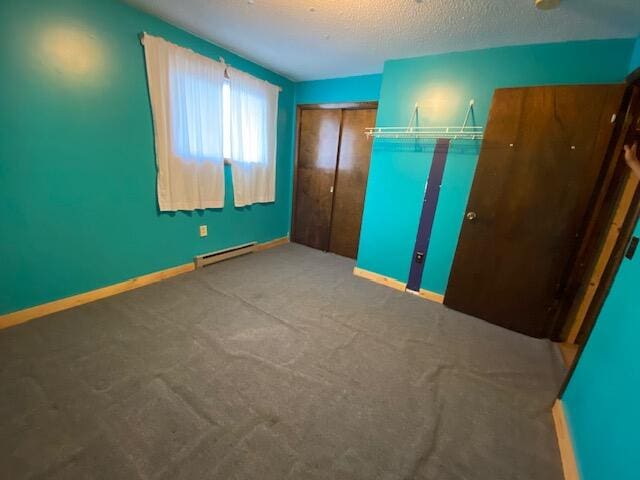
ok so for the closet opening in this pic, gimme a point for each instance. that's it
(330, 178)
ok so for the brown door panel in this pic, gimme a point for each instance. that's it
(537, 170)
(351, 181)
(317, 155)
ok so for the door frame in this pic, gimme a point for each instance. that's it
(616, 257)
(296, 147)
(603, 207)
(610, 272)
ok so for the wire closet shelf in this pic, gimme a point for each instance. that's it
(412, 131)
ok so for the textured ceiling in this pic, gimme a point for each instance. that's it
(314, 39)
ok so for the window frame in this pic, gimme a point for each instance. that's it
(226, 118)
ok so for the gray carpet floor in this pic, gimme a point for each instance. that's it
(276, 365)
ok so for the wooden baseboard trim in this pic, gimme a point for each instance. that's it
(396, 284)
(22, 316)
(381, 279)
(432, 296)
(569, 352)
(569, 465)
(271, 244)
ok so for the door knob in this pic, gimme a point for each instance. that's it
(472, 216)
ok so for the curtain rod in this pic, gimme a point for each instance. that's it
(221, 58)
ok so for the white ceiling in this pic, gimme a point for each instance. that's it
(314, 39)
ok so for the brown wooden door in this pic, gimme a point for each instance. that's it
(538, 169)
(332, 171)
(351, 181)
(318, 142)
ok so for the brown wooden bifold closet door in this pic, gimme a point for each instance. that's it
(351, 181)
(538, 168)
(331, 178)
(319, 137)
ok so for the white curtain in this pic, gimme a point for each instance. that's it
(253, 111)
(186, 100)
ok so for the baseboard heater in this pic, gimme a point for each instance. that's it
(220, 255)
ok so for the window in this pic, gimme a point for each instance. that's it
(193, 139)
(253, 112)
(202, 118)
(226, 120)
(195, 117)
(249, 118)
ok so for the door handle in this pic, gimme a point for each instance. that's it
(471, 216)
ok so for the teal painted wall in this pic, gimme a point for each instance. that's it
(635, 56)
(77, 167)
(361, 88)
(442, 86)
(601, 400)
